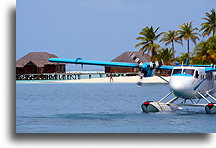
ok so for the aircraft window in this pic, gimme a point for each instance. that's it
(197, 74)
(177, 71)
(209, 76)
(188, 71)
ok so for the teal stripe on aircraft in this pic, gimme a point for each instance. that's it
(199, 84)
(208, 69)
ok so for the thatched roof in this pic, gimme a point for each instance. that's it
(38, 58)
(132, 57)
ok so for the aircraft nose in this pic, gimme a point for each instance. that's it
(181, 86)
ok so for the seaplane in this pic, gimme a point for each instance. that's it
(188, 83)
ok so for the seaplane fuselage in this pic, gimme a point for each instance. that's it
(186, 82)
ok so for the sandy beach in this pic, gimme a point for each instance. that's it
(131, 79)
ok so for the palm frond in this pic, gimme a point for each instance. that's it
(210, 24)
(139, 38)
(148, 37)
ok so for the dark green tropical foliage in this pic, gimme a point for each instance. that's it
(187, 32)
(182, 59)
(170, 37)
(210, 24)
(205, 52)
(166, 55)
(148, 38)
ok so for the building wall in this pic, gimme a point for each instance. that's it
(120, 70)
(29, 68)
(32, 69)
(54, 69)
(19, 70)
(50, 69)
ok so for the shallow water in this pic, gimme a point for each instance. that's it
(102, 108)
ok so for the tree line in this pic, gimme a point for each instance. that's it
(203, 53)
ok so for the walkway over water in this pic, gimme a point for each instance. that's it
(69, 76)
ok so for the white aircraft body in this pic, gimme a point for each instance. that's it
(188, 83)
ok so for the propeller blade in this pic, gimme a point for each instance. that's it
(139, 84)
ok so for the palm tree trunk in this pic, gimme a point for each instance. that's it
(173, 50)
(153, 54)
(188, 48)
(213, 33)
(214, 29)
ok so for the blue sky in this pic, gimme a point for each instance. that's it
(98, 29)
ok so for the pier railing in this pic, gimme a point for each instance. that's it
(69, 76)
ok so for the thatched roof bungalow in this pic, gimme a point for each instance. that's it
(128, 57)
(37, 63)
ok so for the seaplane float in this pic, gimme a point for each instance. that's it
(188, 83)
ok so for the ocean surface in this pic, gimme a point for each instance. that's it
(102, 108)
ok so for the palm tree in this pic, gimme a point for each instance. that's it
(148, 36)
(187, 32)
(204, 52)
(183, 57)
(170, 37)
(210, 24)
(166, 55)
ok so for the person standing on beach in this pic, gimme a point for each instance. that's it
(111, 78)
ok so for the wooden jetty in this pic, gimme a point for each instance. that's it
(69, 76)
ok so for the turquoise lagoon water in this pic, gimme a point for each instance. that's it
(102, 108)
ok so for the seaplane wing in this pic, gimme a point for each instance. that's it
(166, 67)
(90, 62)
(148, 69)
